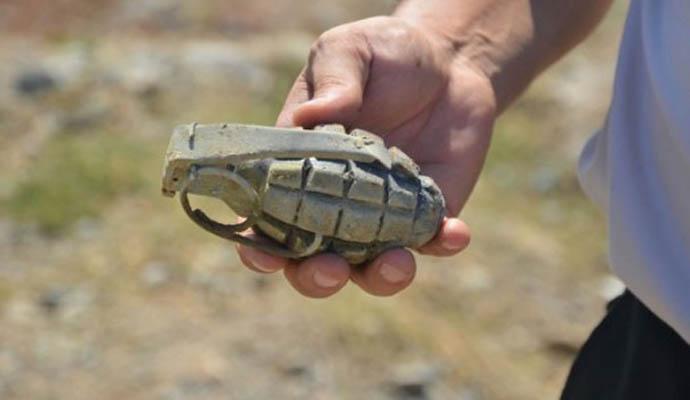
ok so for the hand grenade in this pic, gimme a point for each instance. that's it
(305, 190)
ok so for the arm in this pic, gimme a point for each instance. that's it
(510, 41)
(431, 79)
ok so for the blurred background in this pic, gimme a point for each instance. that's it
(107, 291)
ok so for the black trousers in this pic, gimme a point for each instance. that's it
(632, 354)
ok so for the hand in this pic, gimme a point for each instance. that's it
(389, 77)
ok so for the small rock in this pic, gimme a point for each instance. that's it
(261, 282)
(52, 299)
(469, 394)
(193, 388)
(147, 73)
(68, 303)
(610, 287)
(88, 116)
(155, 274)
(210, 60)
(411, 391)
(563, 348)
(544, 180)
(69, 65)
(297, 371)
(31, 83)
(87, 228)
(475, 278)
(163, 13)
(296, 366)
(413, 381)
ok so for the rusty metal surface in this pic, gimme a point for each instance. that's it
(309, 191)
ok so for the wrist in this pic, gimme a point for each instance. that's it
(509, 41)
(489, 42)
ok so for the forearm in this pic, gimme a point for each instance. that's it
(510, 41)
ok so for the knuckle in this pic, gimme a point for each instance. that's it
(338, 34)
(327, 39)
(331, 80)
(346, 38)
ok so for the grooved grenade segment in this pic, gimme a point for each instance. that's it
(305, 191)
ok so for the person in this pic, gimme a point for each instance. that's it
(436, 74)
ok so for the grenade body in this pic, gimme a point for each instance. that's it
(354, 208)
(358, 209)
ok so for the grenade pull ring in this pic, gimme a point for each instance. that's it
(231, 231)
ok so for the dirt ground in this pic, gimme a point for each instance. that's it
(107, 291)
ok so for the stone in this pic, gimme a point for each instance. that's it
(31, 83)
(413, 381)
(155, 274)
(610, 287)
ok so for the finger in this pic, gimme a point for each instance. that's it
(299, 93)
(336, 73)
(255, 259)
(453, 237)
(319, 276)
(388, 274)
(258, 261)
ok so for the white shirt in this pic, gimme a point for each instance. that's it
(637, 168)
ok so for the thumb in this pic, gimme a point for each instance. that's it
(336, 75)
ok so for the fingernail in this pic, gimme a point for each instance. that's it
(324, 281)
(262, 268)
(392, 274)
(451, 246)
(255, 261)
